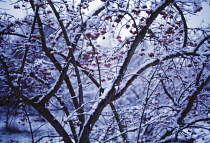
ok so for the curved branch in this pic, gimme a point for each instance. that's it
(167, 93)
(201, 42)
(29, 123)
(117, 117)
(108, 95)
(140, 36)
(191, 101)
(68, 43)
(27, 49)
(185, 25)
(61, 132)
(67, 113)
(39, 107)
(142, 69)
(54, 61)
(53, 121)
(15, 34)
(57, 85)
(99, 70)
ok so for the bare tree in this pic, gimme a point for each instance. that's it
(108, 70)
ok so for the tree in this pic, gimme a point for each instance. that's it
(108, 70)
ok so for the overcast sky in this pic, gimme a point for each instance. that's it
(200, 17)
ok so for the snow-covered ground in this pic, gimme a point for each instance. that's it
(18, 131)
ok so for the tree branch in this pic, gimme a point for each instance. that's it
(191, 101)
(185, 25)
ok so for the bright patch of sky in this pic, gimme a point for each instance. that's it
(201, 19)
(7, 6)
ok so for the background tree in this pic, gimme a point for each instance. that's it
(108, 70)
